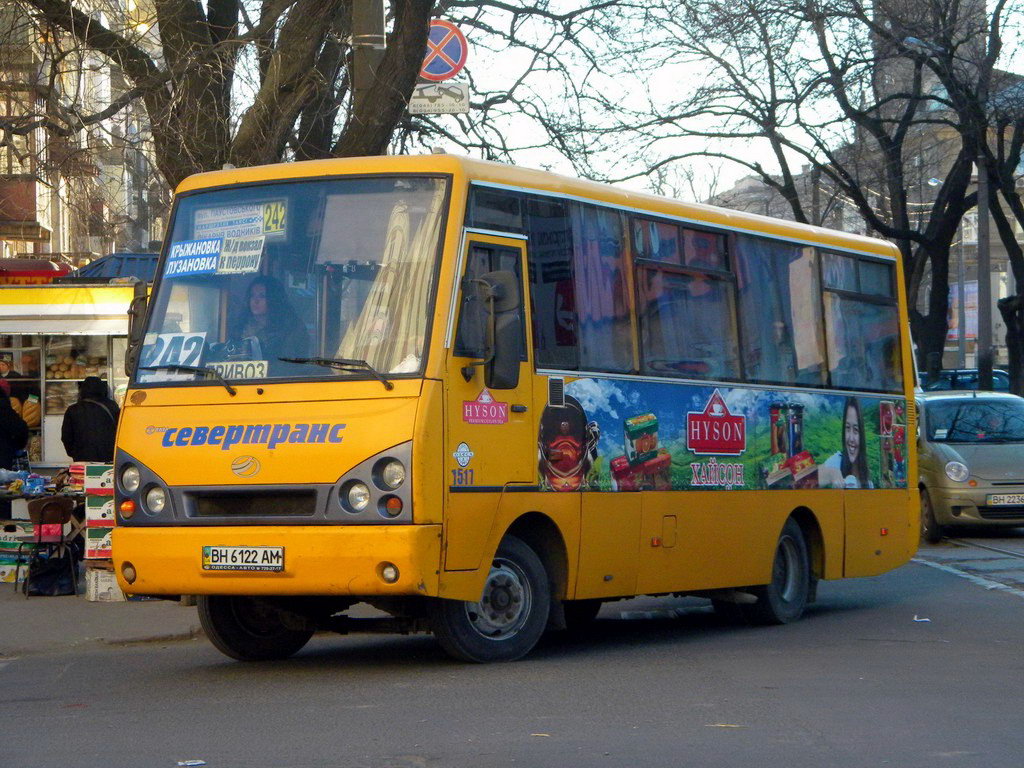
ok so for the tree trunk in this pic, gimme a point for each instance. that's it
(1012, 310)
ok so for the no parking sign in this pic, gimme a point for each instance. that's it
(446, 52)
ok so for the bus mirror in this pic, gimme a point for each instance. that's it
(498, 323)
(502, 372)
(136, 324)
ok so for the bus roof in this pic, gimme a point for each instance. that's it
(514, 177)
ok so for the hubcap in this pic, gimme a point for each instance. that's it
(506, 602)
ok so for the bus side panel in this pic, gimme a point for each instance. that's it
(695, 540)
(699, 540)
(877, 531)
(563, 509)
(467, 529)
(609, 545)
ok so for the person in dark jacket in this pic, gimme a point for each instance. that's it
(13, 429)
(13, 437)
(90, 424)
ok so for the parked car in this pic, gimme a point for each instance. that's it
(970, 460)
(965, 378)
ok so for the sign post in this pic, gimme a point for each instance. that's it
(447, 50)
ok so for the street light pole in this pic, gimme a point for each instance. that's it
(368, 44)
(984, 282)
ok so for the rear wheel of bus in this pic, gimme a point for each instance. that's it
(783, 599)
(249, 629)
(510, 616)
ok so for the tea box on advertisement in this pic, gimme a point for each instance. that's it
(641, 437)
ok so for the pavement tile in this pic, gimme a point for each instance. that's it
(49, 624)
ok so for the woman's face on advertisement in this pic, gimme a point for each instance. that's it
(851, 434)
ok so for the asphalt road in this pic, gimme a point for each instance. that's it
(864, 680)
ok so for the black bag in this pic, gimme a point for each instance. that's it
(51, 576)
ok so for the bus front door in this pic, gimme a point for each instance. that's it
(491, 442)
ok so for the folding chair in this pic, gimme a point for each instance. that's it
(49, 516)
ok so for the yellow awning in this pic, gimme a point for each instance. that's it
(66, 309)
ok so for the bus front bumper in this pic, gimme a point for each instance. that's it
(318, 560)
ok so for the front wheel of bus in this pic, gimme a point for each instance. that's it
(248, 629)
(783, 600)
(510, 616)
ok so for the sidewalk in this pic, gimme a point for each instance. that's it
(49, 624)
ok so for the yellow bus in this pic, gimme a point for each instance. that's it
(484, 399)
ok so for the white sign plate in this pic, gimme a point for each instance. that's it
(445, 98)
(1006, 499)
(243, 558)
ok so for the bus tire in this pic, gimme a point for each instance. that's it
(783, 600)
(247, 629)
(510, 616)
(931, 531)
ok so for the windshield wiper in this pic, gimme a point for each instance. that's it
(213, 373)
(341, 364)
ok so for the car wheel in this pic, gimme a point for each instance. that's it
(931, 531)
(783, 599)
(510, 616)
(249, 629)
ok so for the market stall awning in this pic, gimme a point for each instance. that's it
(66, 309)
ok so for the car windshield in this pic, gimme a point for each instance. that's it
(975, 421)
(340, 269)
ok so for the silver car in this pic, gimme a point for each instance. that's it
(970, 460)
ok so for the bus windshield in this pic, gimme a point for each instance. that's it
(340, 269)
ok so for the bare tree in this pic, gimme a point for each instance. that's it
(249, 82)
(855, 99)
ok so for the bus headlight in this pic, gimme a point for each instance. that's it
(957, 471)
(356, 496)
(130, 478)
(156, 500)
(389, 474)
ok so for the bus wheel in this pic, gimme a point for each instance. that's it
(931, 531)
(509, 618)
(784, 599)
(248, 629)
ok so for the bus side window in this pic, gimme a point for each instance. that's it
(858, 332)
(552, 291)
(599, 273)
(495, 209)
